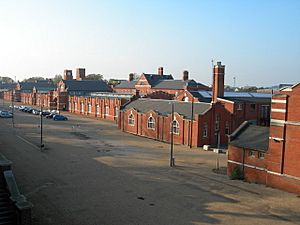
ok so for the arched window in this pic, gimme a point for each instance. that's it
(175, 127)
(106, 112)
(82, 107)
(97, 109)
(151, 123)
(131, 119)
(90, 108)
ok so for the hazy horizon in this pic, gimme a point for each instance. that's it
(258, 41)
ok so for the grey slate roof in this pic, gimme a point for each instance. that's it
(163, 107)
(206, 96)
(175, 84)
(154, 78)
(126, 84)
(87, 85)
(251, 137)
(43, 84)
(7, 86)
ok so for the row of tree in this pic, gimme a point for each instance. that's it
(55, 79)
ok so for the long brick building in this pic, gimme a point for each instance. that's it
(271, 155)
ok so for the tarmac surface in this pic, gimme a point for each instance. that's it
(91, 173)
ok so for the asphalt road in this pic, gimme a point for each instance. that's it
(90, 173)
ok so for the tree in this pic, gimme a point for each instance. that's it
(34, 79)
(94, 77)
(6, 80)
(57, 78)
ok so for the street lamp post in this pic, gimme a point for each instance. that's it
(41, 126)
(172, 160)
(12, 108)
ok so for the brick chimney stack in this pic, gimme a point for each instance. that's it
(131, 77)
(160, 71)
(80, 74)
(68, 75)
(218, 81)
(185, 75)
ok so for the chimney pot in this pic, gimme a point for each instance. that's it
(218, 81)
(131, 77)
(185, 75)
(160, 71)
(80, 73)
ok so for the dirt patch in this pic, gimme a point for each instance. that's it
(81, 136)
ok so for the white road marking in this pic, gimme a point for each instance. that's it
(28, 142)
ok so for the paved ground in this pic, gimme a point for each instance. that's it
(93, 174)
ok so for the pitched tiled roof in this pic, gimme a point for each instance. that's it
(251, 137)
(28, 86)
(154, 78)
(163, 107)
(7, 86)
(126, 84)
(87, 85)
(175, 84)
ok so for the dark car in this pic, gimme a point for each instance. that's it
(50, 116)
(59, 117)
(45, 113)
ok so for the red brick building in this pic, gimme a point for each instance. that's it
(32, 93)
(243, 106)
(193, 124)
(276, 164)
(79, 87)
(158, 85)
(102, 105)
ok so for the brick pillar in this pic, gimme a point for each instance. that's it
(218, 81)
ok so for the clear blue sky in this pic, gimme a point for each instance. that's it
(258, 41)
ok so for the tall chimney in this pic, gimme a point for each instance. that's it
(131, 76)
(185, 75)
(68, 75)
(160, 71)
(218, 81)
(80, 74)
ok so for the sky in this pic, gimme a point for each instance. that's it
(257, 41)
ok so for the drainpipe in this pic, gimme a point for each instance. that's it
(192, 120)
(284, 137)
(243, 165)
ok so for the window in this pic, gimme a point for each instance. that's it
(175, 127)
(97, 110)
(227, 128)
(239, 106)
(217, 123)
(252, 107)
(252, 153)
(82, 107)
(106, 112)
(151, 123)
(261, 155)
(131, 119)
(90, 108)
(204, 130)
(116, 112)
(265, 111)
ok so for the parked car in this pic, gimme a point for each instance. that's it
(59, 117)
(6, 114)
(50, 116)
(36, 111)
(45, 113)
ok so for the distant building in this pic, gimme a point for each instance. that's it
(242, 105)
(158, 85)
